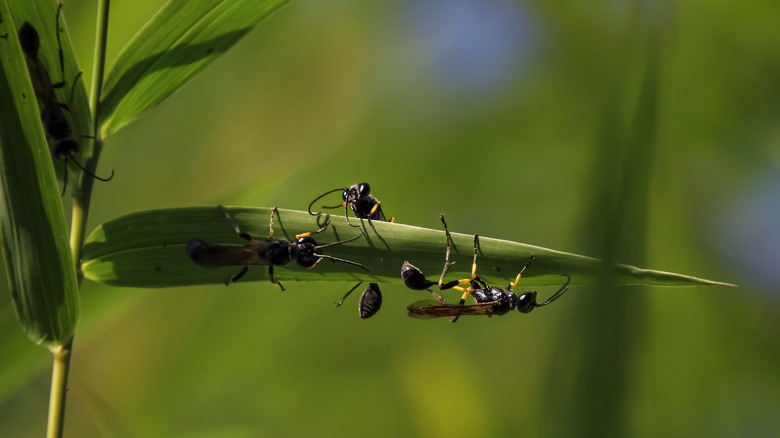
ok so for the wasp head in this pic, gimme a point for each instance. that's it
(305, 252)
(355, 192)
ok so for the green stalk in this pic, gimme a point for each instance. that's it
(59, 385)
(61, 354)
(83, 196)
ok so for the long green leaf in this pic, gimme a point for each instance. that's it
(42, 15)
(35, 246)
(179, 41)
(148, 249)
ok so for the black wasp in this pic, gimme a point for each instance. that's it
(490, 299)
(52, 110)
(357, 198)
(271, 252)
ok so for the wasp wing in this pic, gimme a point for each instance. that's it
(428, 309)
(219, 255)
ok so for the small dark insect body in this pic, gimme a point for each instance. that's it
(358, 199)
(490, 300)
(52, 110)
(269, 252)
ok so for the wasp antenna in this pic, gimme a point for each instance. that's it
(59, 41)
(339, 242)
(336, 259)
(90, 173)
(322, 196)
(557, 294)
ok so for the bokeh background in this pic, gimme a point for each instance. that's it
(641, 132)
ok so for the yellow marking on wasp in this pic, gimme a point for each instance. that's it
(517, 280)
(466, 293)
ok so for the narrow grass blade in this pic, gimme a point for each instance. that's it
(148, 249)
(179, 41)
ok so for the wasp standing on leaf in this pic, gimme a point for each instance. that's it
(271, 252)
(52, 110)
(490, 299)
(357, 198)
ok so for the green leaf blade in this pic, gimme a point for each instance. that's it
(35, 247)
(179, 41)
(148, 249)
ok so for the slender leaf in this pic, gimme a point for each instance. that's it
(42, 15)
(35, 246)
(179, 41)
(148, 249)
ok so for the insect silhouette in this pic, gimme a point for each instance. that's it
(53, 116)
(357, 198)
(370, 300)
(490, 300)
(271, 252)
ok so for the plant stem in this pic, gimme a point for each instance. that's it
(59, 388)
(101, 35)
(83, 196)
(61, 354)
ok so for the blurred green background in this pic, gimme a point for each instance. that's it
(645, 132)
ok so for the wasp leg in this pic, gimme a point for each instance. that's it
(237, 276)
(520, 274)
(273, 279)
(234, 224)
(341, 301)
(321, 229)
(475, 279)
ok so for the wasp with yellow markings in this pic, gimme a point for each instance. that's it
(269, 252)
(490, 300)
(357, 198)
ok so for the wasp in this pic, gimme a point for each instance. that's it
(271, 252)
(490, 300)
(357, 198)
(52, 110)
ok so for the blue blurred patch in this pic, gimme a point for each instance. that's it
(472, 47)
(750, 232)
